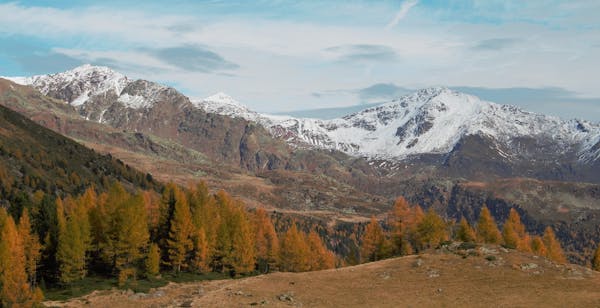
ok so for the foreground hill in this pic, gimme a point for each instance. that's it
(480, 277)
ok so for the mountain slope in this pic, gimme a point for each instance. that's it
(429, 121)
(33, 158)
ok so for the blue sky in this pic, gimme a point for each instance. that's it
(278, 55)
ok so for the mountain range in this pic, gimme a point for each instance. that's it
(433, 124)
(437, 147)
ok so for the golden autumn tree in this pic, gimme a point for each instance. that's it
(266, 241)
(431, 231)
(374, 244)
(179, 243)
(130, 234)
(201, 258)
(222, 254)
(400, 222)
(31, 245)
(538, 247)
(320, 257)
(73, 240)
(294, 251)
(243, 255)
(514, 234)
(153, 261)
(414, 219)
(465, 233)
(15, 290)
(509, 235)
(596, 259)
(554, 250)
(487, 230)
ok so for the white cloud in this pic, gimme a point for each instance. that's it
(281, 62)
(404, 8)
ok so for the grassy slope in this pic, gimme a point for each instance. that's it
(490, 277)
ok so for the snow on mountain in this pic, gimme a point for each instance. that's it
(429, 121)
(81, 83)
(223, 104)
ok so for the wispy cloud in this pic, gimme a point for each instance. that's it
(363, 53)
(495, 44)
(194, 58)
(281, 51)
(404, 9)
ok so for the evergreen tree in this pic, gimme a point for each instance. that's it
(487, 231)
(555, 251)
(465, 232)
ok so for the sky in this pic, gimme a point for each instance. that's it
(283, 55)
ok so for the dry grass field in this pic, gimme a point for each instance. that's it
(487, 276)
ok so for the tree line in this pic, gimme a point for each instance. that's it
(411, 230)
(132, 235)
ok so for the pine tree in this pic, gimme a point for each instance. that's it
(555, 251)
(153, 261)
(294, 251)
(31, 245)
(267, 243)
(596, 259)
(431, 231)
(465, 232)
(180, 235)
(487, 230)
(374, 244)
(15, 290)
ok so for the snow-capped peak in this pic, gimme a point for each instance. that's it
(428, 121)
(223, 99)
(223, 104)
(80, 83)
